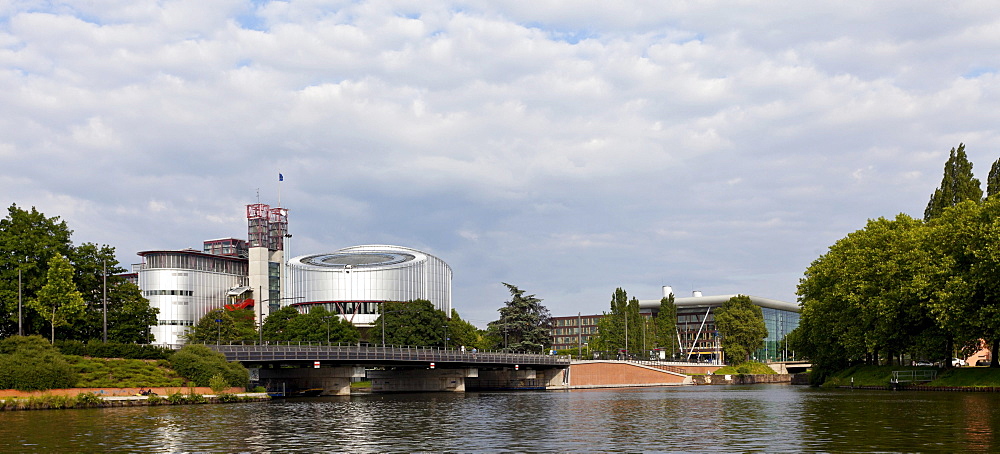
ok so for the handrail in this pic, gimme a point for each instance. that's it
(905, 376)
(354, 352)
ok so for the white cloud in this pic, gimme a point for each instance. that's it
(569, 149)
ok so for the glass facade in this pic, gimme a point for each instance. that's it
(695, 329)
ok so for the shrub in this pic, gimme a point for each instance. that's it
(218, 384)
(98, 349)
(177, 398)
(87, 400)
(30, 363)
(199, 363)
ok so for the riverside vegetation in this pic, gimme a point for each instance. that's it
(861, 375)
(31, 363)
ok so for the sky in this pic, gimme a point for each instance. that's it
(567, 148)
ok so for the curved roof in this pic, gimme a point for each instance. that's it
(370, 256)
(717, 300)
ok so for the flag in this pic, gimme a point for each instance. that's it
(281, 177)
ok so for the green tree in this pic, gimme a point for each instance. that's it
(866, 298)
(523, 325)
(957, 185)
(58, 300)
(221, 325)
(463, 333)
(28, 240)
(966, 300)
(129, 314)
(277, 325)
(417, 323)
(321, 325)
(620, 330)
(741, 325)
(993, 180)
(666, 326)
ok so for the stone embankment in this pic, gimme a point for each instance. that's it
(741, 379)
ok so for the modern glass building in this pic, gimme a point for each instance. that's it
(355, 281)
(698, 338)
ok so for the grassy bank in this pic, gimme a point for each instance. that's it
(123, 373)
(750, 367)
(881, 375)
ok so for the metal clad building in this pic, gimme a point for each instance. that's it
(185, 285)
(355, 281)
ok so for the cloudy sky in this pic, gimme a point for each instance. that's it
(568, 148)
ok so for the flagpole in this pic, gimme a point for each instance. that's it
(280, 178)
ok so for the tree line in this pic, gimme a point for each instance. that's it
(626, 333)
(61, 286)
(906, 288)
(522, 326)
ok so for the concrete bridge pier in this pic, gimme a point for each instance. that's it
(411, 380)
(334, 381)
(509, 378)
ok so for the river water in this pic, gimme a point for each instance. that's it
(765, 418)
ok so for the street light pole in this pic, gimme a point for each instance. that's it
(20, 318)
(105, 275)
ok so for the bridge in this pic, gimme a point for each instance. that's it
(329, 368)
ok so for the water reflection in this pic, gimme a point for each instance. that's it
(771, 418)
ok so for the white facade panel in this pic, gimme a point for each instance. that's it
(185, 286)
(370, 273)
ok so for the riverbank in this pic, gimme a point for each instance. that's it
(71, 398)
(880, 377)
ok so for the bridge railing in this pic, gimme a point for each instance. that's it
(306, 351)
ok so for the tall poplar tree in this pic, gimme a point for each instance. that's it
(993, 180)
(621, 329)
(666, 326)
(957, 185)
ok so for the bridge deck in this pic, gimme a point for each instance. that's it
(387, 355)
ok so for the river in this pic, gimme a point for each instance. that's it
(766, 418)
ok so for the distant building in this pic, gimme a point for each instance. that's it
(233, 273)
(699, 339)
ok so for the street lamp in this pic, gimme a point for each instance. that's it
(327, 318)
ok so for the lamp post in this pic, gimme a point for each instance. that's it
(105, 276)
(20, 318)
(327, 318)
